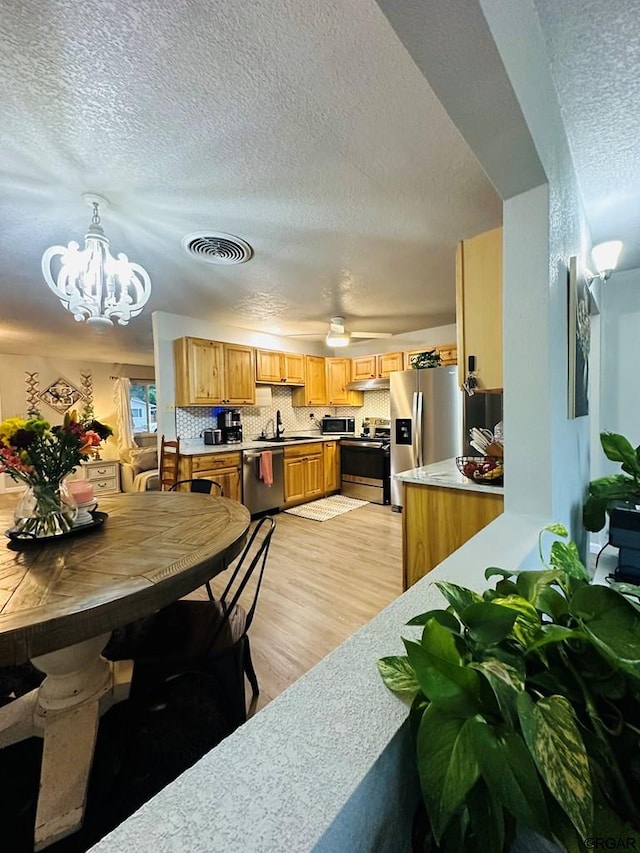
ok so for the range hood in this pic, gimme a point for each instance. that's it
(368, 385)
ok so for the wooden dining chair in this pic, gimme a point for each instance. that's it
(169, 459)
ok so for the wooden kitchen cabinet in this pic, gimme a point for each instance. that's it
(338, 376)
(314, 392)
(376, 366)
(364, 367)
(224, 468)
(279, 368)
(199, 371)
(240, 385)
(388, 362)
(436, 521)
(331, 453)
(212, 373)
(303, 473)
(479, 308)
(448, 354)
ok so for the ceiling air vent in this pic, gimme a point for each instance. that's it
(217, 248)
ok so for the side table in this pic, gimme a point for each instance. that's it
(103, 474)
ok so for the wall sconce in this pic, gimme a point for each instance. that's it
(605, 258)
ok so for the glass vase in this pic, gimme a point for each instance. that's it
(45, 509)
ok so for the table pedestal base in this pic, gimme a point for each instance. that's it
(80, 685)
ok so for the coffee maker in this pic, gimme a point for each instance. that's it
(230, 425)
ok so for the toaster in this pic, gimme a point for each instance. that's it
(208, 436)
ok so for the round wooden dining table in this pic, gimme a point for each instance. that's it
(59, 602)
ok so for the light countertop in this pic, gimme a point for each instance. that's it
(198, 448)
(445, 474)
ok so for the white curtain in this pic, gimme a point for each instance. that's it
(124, 421)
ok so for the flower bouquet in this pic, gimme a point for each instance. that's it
(35, 453)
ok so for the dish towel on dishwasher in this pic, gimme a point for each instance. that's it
(266, 467)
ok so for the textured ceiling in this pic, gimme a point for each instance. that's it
(594, 54)
(304, 128)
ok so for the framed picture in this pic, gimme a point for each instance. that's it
(579, 339)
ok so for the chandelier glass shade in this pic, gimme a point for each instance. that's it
(94, 285)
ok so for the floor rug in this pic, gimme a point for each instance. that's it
(326, 508)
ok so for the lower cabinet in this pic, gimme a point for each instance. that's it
(224, 468)
(303, 473)
(436, 521)
(331, 466)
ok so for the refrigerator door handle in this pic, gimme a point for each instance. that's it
(419, 421)
(414, 437)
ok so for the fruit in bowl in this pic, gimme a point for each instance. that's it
(481, 469)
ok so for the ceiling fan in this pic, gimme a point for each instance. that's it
(339, 336)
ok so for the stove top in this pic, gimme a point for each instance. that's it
(376, 441)
(376, 428)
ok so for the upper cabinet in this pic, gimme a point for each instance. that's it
(314, 392)
(479, 308)
(388, 362)
(448, 354)
(376, 366)
(279, 368)
(338, 377)
(364, 367)
(239, 376)
(325, 384)
(213, 373)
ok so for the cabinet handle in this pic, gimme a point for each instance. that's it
(101, 470)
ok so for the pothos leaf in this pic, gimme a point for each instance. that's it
(565, 556)
(508, 768)
(557, 528)
(458, 597)
(506, 684)
(447, 765)
(552, 736)
(398, 674)
(527, 624)
(492, 571)
(446, 619)
(488, 623)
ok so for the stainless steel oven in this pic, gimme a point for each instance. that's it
(365, 463)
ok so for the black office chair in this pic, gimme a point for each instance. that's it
(203, 487)
(210, 638)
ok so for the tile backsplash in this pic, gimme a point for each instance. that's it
(190, 421)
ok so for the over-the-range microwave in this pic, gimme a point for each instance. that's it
(338, 426)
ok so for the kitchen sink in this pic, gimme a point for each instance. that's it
(288, 438)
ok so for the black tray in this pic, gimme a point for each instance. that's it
(18, 541)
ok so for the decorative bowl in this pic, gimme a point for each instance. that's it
(482, 469)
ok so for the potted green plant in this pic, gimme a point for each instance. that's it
(607, 492)
(525, 707)
(617, 495)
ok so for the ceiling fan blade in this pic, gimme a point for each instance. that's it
(371, 334)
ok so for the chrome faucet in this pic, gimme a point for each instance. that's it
(279, 427)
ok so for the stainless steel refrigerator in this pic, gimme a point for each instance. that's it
(426, 420)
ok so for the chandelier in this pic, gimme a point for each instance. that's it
(91, 283)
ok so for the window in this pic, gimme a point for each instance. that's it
(143, 407)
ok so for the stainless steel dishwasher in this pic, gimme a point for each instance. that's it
(257, 496)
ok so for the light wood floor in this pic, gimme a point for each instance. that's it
(322, 582)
